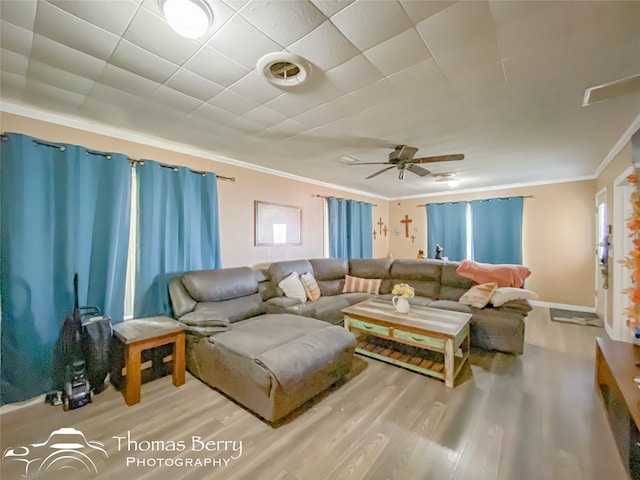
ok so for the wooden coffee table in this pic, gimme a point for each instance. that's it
(427, 340)
(145, 333)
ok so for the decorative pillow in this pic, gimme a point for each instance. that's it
(361, 285)
(479, 295)
(506, 294)
(310, 286)
(293, 288)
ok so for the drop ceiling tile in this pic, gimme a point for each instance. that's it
(256, 88)
(244, 126)
(12, 62)
(284, 22)
(504, 13)
(110, 16)
(66, 58)
(154, 35)
(455, 26)
(62, 79)
(114, 96)
(242, 42)
(58, 25)
(419, 77)
(325, 47)
(475, 81)
(354, 74)
(121, 79)
(366, 24)
(418, 10)
(236, 4)
(140, 62)
(386, 56)
(232, 102)
(283, 130)
(21, 13)
(213, 114)
(174, 99)
(49, 97)
(212, 65)
(543, 28)
(194, 85)
(12, 87)
(331, 7)
(468, 57)
(264, 116)
(15, 39)
(110, 113)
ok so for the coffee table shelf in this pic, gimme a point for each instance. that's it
(428, 341)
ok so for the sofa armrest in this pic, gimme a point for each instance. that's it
(283, 302)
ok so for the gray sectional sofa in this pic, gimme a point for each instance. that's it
(272, 353)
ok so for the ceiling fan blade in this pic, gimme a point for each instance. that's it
(370, 163)
(441, 158)
(379, 172)
(413, 168)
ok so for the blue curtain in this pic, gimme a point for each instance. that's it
(64, 209)
(447, 227)
(350, 228)
(178, 231)
(497, 230)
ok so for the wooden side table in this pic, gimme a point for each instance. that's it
(144, 333)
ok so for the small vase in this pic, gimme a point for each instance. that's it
(401, 304)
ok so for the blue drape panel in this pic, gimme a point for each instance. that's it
(447, 227)
(63, 210)
(178, 231)
(350, 228)
(497, 230)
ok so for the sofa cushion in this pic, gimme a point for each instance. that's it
(293, 287)
(370, 267)
(278, 271)
(422, 275)
(329, 268)
(223, 284)
(361, 285)
(452, 285)
(235, 309)
(205, 323)
(331, 287)
(451, 305)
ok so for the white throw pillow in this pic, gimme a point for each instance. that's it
(310, 286)
(506, 294)
(293, 288)
(479, 295)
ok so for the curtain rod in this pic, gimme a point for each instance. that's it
(481, 200)
(135, 162)
(324, 196)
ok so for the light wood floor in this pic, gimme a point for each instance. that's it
(535, 416)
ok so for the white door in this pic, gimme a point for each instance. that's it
(602, 254)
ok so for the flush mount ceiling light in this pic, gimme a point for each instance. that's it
(189, 18)
(284, 69)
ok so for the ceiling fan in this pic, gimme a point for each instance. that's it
(402, 159)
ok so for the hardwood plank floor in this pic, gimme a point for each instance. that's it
(535, 416)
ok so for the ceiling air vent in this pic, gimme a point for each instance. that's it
(600, 93)
(284, 69)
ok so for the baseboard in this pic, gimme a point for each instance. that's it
(563, 306)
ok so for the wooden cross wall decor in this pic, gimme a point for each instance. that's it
(380, 223)
(385, 230)
(413, 238)
(406, 222)
(374, 234)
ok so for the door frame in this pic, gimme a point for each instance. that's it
(600, 292)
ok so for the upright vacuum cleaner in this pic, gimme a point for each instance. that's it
(85, 350)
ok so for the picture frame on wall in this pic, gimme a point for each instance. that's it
(277, 225)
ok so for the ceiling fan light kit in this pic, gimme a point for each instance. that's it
(189, 18)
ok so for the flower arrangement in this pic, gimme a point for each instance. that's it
(632, 260)
(403, 290)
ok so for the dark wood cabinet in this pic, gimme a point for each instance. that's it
(615, 370)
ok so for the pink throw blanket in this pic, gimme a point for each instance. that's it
(505, 275)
